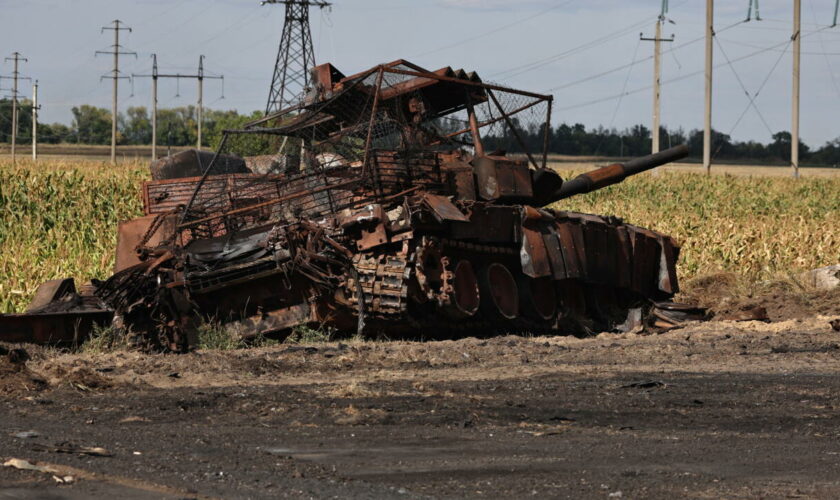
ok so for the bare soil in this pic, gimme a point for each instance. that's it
(716, 409)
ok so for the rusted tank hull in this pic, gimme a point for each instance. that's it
(377, 205)
(447, 269)
(63, 328)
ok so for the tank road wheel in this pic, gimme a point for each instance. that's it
(464, 297)
(429, 269)
(500, 295)
(539, 299)
(572, 304)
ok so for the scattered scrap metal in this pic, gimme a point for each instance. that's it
(384, 201)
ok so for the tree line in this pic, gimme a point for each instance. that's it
(177, 127)
(92, 125)
(577, 140)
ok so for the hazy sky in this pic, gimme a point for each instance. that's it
(504, 40)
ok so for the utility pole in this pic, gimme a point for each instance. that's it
(35, 109)
(154, 106)
(154, 77)
(794, 128)
(707, 129)
(657, 76)
(200, 76)
(295, 55)
(16, 57)
(115, 76)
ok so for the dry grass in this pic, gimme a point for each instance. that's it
(58, 219)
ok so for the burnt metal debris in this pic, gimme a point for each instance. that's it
(386, 201)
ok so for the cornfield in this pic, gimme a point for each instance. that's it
(58, 219)
(758, 227)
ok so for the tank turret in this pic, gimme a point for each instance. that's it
(506, 180)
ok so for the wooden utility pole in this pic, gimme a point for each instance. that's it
(707, 129)
(16, 57)
(657, 77)
(657, 74)
(35, 121)
(154, 77)
(200, 76)
(794, 127)
(115, 76)
(154, 106)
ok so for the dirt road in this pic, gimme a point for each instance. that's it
(720, 409)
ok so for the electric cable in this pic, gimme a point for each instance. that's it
(623, 66)
(495, 30)
(664, 82)
(620, 99)
(825, 54)
(524, 68)
(752, 98)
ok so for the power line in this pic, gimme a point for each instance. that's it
(493, 31)
(623, 89)
(524, 68)
(624, 66)
(752, 98)
(158, 15)
(200, 76)
(224, 30)
(672, 80)
(754, 46)
(822, 45)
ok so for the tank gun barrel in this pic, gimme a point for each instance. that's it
(613, 174)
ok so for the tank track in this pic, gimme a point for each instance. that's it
(386, 281)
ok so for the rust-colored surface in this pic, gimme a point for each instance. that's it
(60, 328)
(365, 212)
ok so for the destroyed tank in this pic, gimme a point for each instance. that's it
(396, 200)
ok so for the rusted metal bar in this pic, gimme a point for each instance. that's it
(203, 178)
(479, 147)
(369, 139)
(400, 194)
(512, 128)
(467, 82)
(547, 134)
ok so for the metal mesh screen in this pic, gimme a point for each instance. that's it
(367, 138)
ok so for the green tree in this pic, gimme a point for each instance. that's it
(92, 125)
(55, 133)
(24, 110)
(242, 144)
(136, 126)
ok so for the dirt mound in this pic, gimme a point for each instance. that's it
(80, 377)
(727, 295)
(16, 379)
